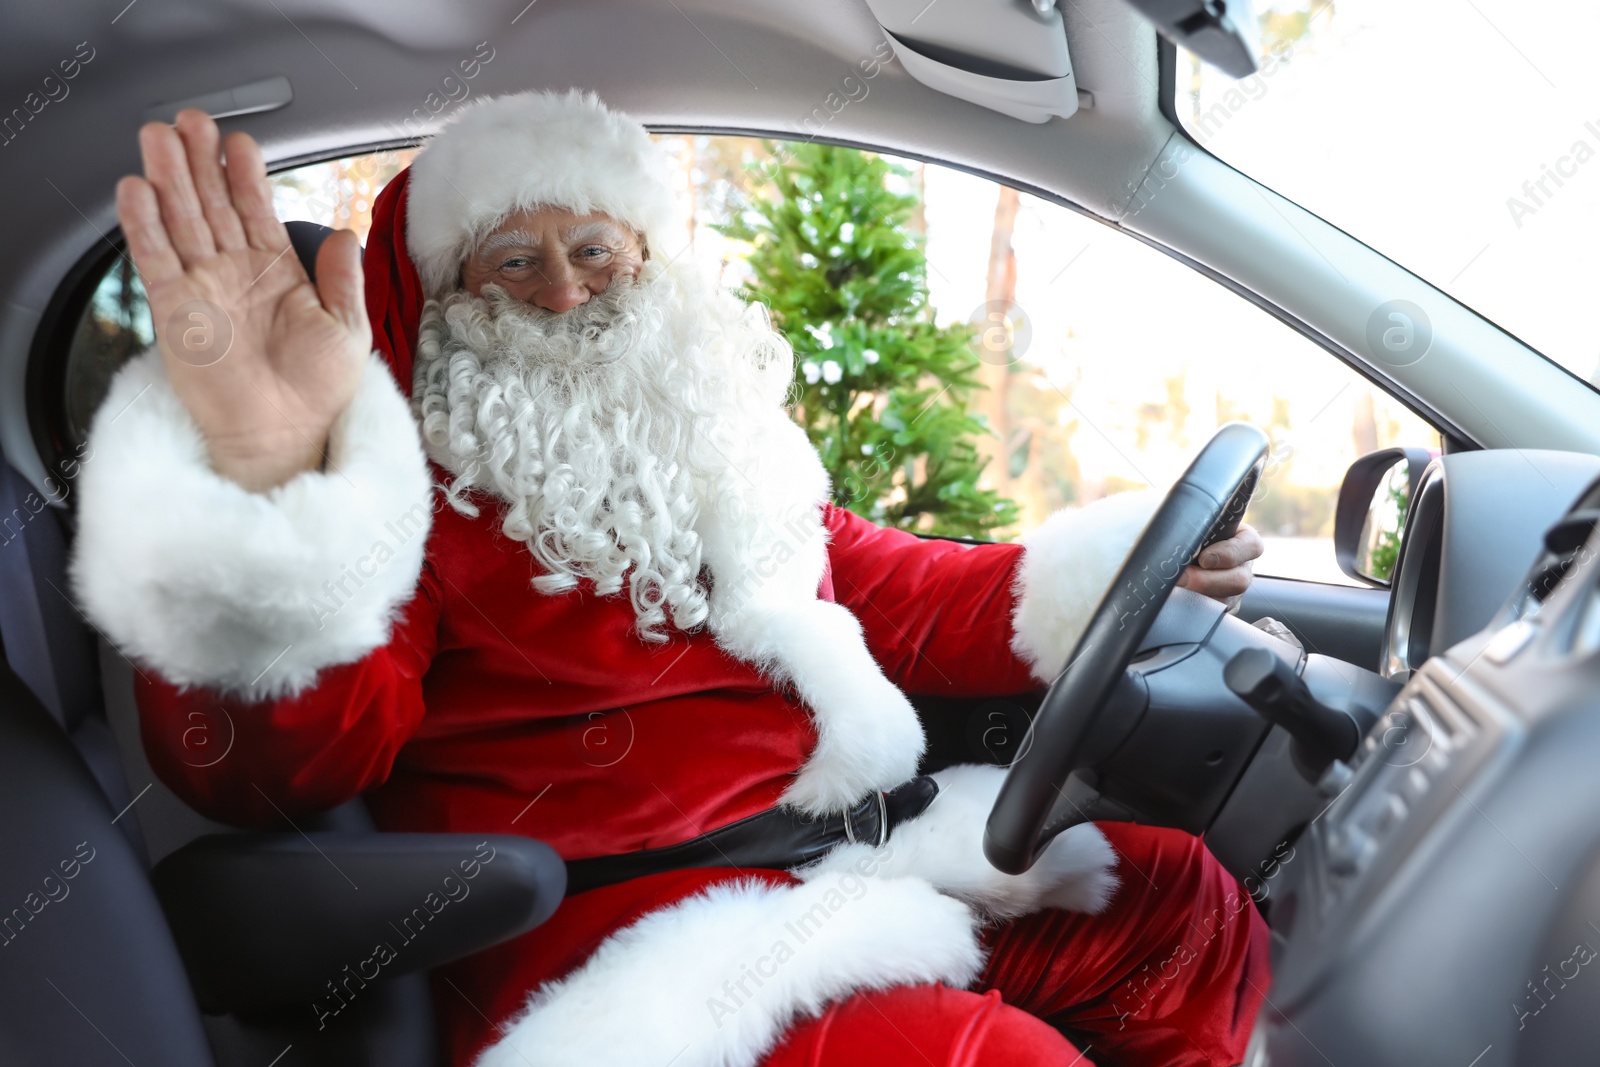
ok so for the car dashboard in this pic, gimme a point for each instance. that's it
(1441, 909)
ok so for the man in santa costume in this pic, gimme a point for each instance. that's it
(602, 599)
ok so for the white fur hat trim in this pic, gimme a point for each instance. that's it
(504, 154)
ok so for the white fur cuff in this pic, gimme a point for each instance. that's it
(714, 980)
(250, 593)
(1067, 565)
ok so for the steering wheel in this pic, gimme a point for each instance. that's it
(1203, 507)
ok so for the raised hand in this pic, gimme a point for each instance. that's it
(264, 361)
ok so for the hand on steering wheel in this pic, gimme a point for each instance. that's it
(1202, 509)
(1223, 569)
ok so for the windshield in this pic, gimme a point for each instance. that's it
(1461, 138)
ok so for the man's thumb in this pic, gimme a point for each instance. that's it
(339, 279)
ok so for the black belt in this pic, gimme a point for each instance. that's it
(775, 839)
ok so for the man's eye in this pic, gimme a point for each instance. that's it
(515, 263)
(594, 251)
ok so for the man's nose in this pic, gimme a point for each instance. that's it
(564, 289)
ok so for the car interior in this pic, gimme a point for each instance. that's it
(1407, 790)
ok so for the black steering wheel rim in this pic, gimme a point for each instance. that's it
(1204, 506)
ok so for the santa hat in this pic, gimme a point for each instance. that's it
(503, 154)
(497, 156)
(394, 291)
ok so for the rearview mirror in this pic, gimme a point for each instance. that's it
(1222, 34)
(1369, 522)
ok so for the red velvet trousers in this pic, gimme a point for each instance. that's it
(1170, 975)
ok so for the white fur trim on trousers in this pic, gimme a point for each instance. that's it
(715, 980)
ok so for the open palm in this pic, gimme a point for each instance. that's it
(263, 360)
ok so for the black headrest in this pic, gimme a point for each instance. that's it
(307, 237)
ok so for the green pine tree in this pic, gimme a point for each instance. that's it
(881, 390)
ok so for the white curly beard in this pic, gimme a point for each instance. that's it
(608, 428)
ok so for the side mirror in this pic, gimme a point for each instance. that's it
(1370, 518)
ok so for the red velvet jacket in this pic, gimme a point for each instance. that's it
(489, 696)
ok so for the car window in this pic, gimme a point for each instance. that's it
(113, 327)
(338, 192)
(1459, 139)
(1124, 361)
(1103, 364)
(993, 356)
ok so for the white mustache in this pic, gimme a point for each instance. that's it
(603, 329)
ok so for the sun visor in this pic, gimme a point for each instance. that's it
(1005, 55)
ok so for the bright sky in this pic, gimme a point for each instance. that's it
(1414, 124)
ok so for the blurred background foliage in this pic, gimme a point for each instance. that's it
(884, 393)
